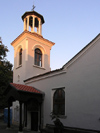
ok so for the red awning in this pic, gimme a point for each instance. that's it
(26, 88)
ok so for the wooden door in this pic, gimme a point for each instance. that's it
(34, 121)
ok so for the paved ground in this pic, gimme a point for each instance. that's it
(13, 129)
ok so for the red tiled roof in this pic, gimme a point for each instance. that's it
(25, 88)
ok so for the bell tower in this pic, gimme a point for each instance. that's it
(31, 49)
(34, 21)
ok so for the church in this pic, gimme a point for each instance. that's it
(72, 92)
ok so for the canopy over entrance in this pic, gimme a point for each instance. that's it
(29, 97)
(22, 93)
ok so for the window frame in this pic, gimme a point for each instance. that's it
(38, 57)
(20, 56)
(61, 104)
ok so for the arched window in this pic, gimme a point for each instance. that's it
(20, 56)
(38, 57)
(59, 102)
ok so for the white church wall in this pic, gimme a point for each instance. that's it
(31, 68)
(82, 91)
(19, 70)
(46, 86)
(15, 114)
(28, 68)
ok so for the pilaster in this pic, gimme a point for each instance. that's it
(27, 23)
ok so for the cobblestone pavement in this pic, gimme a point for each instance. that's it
(13, 129)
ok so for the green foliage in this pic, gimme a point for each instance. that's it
(3, 51)
(6, 73)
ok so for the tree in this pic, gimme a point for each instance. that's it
(6, 73)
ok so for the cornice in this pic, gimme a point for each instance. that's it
(45, 76)
(34, 35)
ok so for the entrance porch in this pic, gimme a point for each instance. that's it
(29, 105)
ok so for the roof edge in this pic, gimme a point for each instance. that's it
(44, 74)
(80, 51)
(63, 67)
(19, 90)
(33, 13)
(34, 34)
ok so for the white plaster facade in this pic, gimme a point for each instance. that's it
(80, 79)
(27, 69)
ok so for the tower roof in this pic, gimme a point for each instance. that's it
(33, 13)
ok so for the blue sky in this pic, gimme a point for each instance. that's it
(71, 24)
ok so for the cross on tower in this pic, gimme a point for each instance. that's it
(33, 7)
